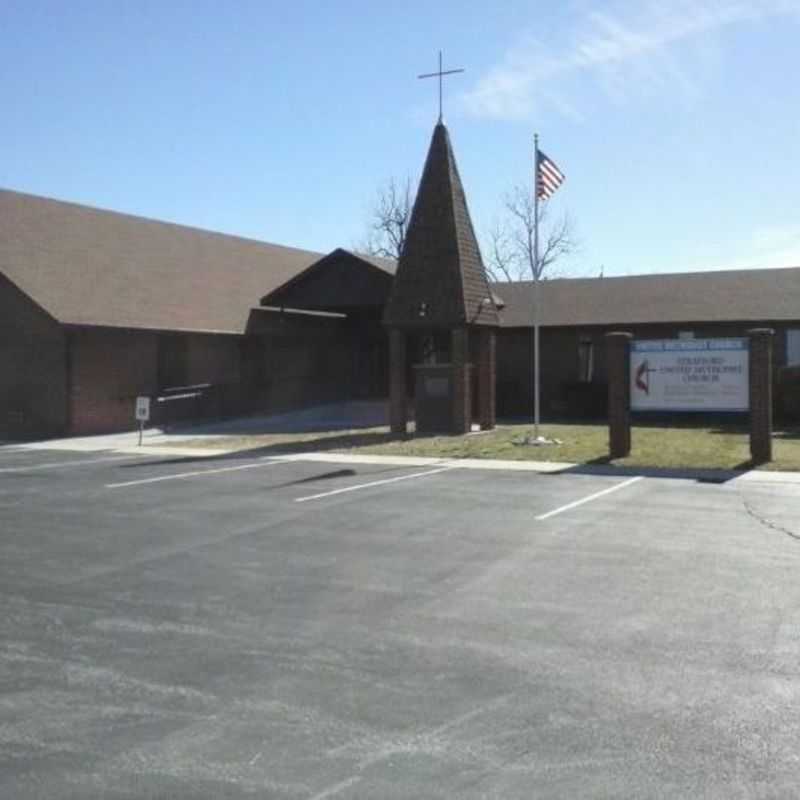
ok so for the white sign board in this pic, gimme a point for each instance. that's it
(690, 375)
(143, 409)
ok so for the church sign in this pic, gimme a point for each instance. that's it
(689, 375)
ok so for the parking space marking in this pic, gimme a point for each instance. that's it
(66, 464)
(198, 473)
(373, 483)
(588, 498)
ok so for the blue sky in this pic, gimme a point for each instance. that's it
(676, 123)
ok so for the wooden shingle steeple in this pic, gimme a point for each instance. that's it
(441, 281)
(441, 288)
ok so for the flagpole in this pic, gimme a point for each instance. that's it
(536, 287)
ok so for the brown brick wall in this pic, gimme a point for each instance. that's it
(398, 389)
(33, 398)
(109, 368)
(213, 359)
(461, 380)
(487, 377)
(291, 363)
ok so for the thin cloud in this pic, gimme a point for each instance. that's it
(624, 51)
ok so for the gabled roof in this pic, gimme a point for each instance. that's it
(724, 296)
(92, 267)
(441, 265)
(342, 281)
(388, 265)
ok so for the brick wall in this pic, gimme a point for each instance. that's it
(307, 360)
(33, 400)
(108, 369)
(284, 363)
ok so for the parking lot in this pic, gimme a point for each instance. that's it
(245, 626)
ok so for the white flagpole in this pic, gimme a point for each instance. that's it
(536, 287)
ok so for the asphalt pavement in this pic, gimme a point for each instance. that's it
(237, 626)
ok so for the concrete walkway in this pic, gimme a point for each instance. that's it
(333, 417)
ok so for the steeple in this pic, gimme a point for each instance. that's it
(441, 281)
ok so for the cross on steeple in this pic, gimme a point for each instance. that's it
(439, 75)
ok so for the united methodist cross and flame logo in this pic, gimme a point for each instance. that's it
(642, 376)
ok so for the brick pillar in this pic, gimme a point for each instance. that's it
(398, 393)
(487, 377)
(761, 394)
(462, 394)
(619, 406)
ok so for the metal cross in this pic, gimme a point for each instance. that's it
(439, 75)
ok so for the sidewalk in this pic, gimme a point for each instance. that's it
(154, 444)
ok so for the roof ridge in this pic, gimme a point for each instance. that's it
(652, 275)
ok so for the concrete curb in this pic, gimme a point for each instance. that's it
(541, 467)
(550, 467)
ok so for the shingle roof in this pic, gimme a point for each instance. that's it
(732, 295)
(441, 264)
(93, 267)
(342, 281)
(388, 265)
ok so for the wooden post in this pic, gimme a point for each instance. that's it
(619, 405)
(398, 392)
(761, 394)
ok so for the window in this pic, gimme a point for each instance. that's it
(793, 347)
(686, 334)
(585, 359)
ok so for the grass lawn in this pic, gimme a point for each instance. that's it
(652, 446)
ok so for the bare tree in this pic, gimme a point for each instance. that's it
(389, 219)
(511, 240)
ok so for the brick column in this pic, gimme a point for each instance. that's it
(761, 394)
(398, 392)
(487, 377)
(462, 394)
(619, 413)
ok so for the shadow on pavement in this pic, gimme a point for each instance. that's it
(603, 466)
(316, 445)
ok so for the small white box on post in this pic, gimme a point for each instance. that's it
(142, 413)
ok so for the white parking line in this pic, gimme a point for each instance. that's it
(373, 483)
(588, 499)
(66, 464)
(197, 473)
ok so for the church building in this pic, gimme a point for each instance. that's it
(97, 308)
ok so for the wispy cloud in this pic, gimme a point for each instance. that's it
(630, 48)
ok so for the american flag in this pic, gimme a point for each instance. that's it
(548, 176)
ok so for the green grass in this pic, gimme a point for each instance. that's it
(652, 446)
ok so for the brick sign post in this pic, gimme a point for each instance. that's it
(398, 402)
(618, 346)
(761, 394)
(487, 377)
